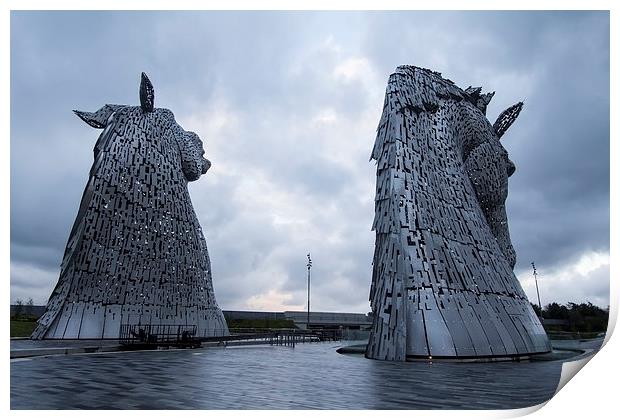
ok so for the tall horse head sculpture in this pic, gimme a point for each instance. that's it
(443, 284)
(136, 254)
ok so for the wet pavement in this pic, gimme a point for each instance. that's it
(309, 376)
(40, 344)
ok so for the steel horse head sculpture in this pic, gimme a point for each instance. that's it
(136, 254)
(443, 282)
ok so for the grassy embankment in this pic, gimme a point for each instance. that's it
(22, 327)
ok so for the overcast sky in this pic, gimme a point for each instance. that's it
(287, 105)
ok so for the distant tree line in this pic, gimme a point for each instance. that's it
(580, 317)
(23, 311)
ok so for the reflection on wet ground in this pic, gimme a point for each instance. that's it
(312, 376)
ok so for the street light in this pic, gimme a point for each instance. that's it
(537, 293)
(309, 265)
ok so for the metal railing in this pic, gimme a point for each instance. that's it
(298, 334)
(157, 334)
(153, 336)
(287, 338)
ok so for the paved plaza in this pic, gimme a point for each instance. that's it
(309, 376)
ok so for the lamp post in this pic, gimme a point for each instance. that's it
(537, 292)
(309, 265)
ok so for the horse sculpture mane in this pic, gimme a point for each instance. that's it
(443, 284)
(136, 254)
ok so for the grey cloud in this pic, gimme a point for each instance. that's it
(558, 63)
(275, 72)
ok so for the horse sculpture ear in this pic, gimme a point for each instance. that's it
(481, 100)
(99, 118)
(506, 118)
(147, 94)
(485, 98)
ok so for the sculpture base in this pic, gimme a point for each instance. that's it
(476, 359)
(555, 354)
(95, 321)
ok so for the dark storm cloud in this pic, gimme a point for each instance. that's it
(558, 63)
(287, 104)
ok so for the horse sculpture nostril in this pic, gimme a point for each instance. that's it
(206, 164)
(511, 168)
